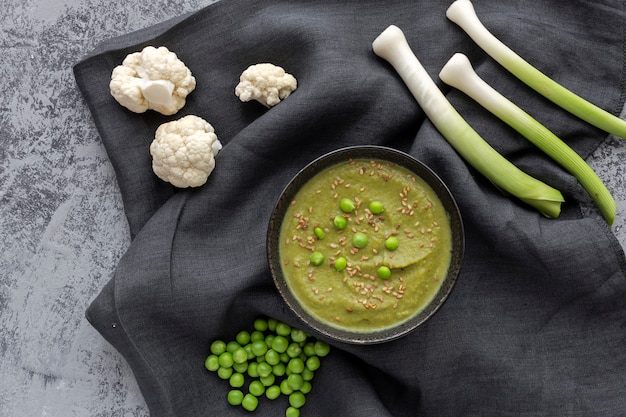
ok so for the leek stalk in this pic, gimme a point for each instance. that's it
(392, 46)
(459, 73)
(463, 14)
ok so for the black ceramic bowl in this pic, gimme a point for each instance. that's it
(382, 154)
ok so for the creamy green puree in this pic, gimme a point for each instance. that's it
(365, 245)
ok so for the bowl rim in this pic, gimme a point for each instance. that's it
(379, 153)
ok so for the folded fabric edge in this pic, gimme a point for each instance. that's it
(102, 315)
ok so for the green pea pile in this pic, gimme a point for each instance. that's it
(272, 360)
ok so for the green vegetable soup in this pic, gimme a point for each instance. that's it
(365, 245)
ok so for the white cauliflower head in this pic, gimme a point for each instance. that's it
(266, 83)
(183, 151)
(152, 79)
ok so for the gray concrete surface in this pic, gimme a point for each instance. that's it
(62, 227)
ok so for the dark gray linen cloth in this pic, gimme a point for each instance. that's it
(536, 325)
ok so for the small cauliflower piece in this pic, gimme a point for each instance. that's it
(152, 79)
(183, 151)
(266, 83)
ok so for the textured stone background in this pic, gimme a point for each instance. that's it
(62, 227)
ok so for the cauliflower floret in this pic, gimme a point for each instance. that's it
(266, 83)
(183, 151)
(152, 79)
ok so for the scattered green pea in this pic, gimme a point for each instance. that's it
(346, 205)
(297, 399)
(250, 402)
(240, 355)
(321, 348)
(259, 347)
(272, 357)
(268, 380)
(240, 367)
(264, 369)
(232, 346)
(294, 350)
(280, 344)
(292, 412)
(253, 370)
(236, 380)
(256, 336)
(243, 338)
(272, 392)
(226, 359)
(260, 324)
(307, 374)
(359, 239)
(249, 351)
(340, 222)
(391, 243)
(306, 387)
(309, 349)
(224, 373)
(384, 272)
(256, 388)
(283, 329)
(212, 363)
(313, 363)
(298, 335)
(296, 365)
(271, 324)
(235, 397)
(285, 389)
(319, 233)
(317, 258)
(279, 369)
(295, 381)
(376, 207)
(341, 263)
(218, 347)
